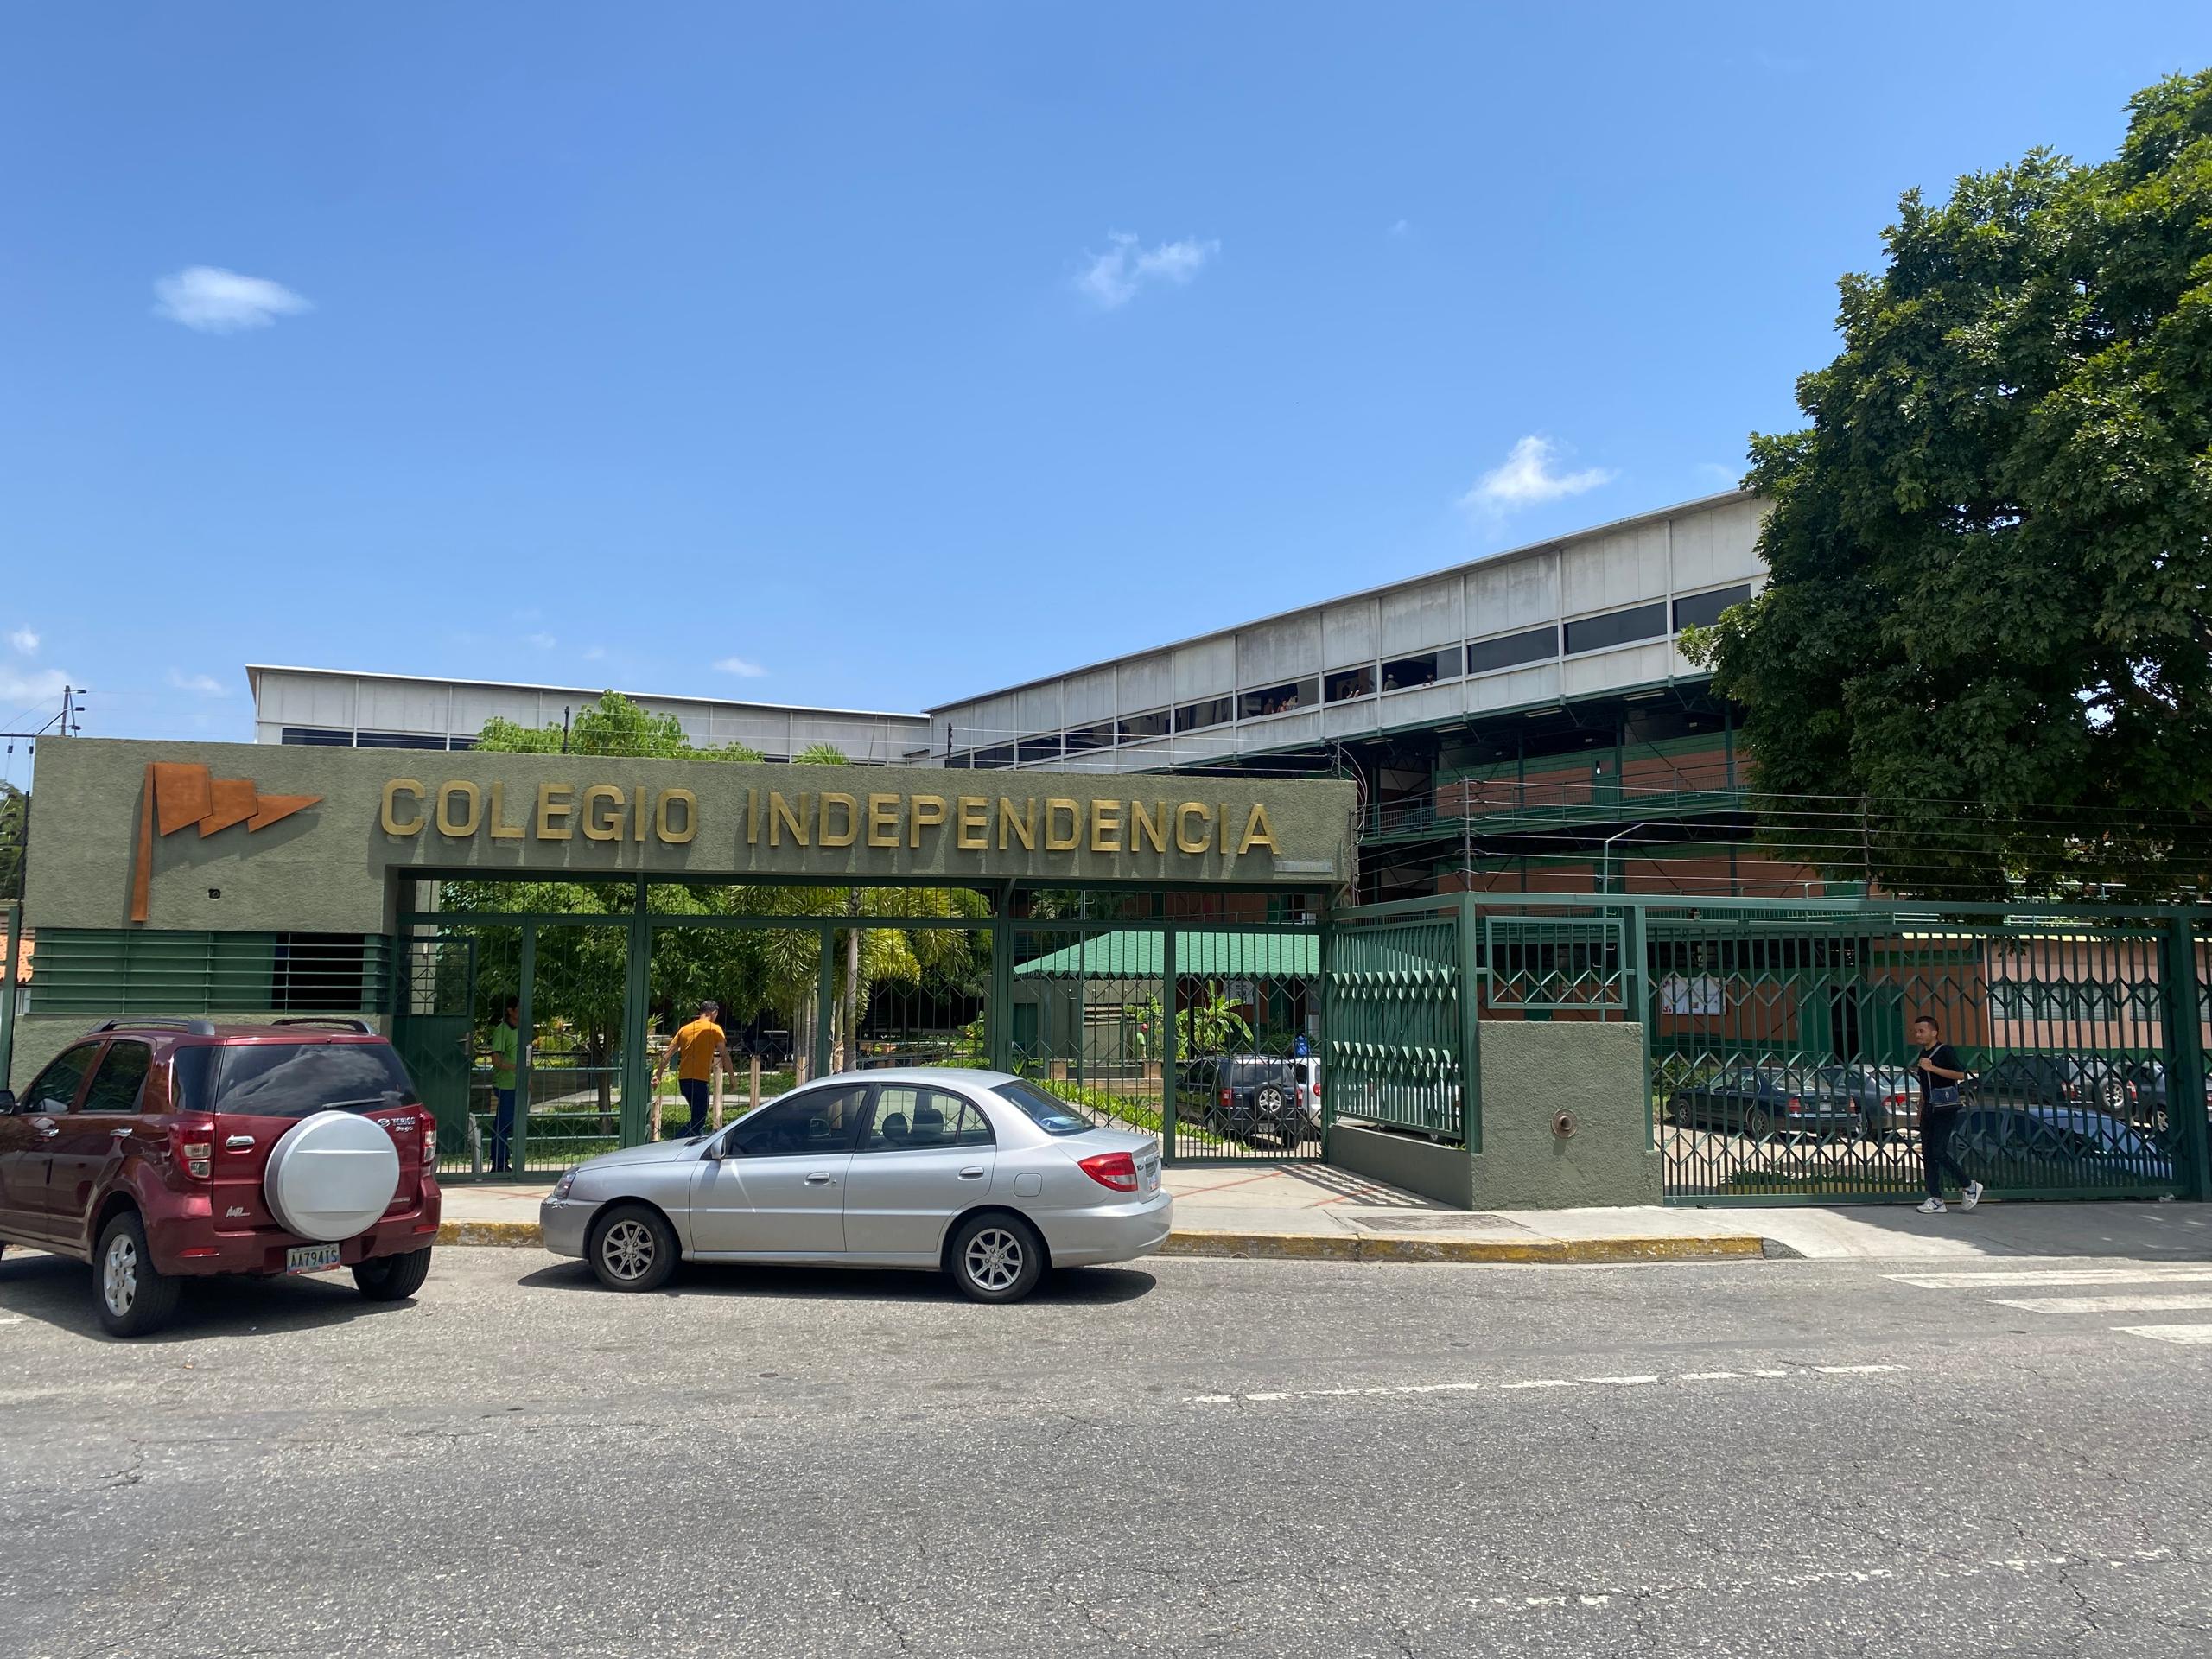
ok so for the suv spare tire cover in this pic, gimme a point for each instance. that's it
(331, 1175)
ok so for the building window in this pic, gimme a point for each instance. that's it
(470, 743)
(1197, 716)
(1405, 673)
(1349, 685)
(1031, 750)
(1082, 738)
(1278, 699)
(318, 736)
(1512, 650)
(993, 760)
(1617, 628)
(398, 740)
(1137, 728)
(1703, 610)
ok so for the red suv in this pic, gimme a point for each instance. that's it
(157, 1148)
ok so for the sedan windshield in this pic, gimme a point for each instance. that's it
(1048, 1112)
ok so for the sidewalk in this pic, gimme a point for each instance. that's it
(1315, 1213)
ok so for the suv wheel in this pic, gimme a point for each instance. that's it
(135, 1297)
(393, 1278)
(632, 1248)
(997, 1259)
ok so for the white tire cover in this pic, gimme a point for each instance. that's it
(331, 1175)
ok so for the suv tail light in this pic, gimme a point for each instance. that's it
(1226, 1098)
(196, 1155)
(429, 1144)
(1116, 1170)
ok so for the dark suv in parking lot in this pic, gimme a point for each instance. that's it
(1247, 1098)
(161, 1148)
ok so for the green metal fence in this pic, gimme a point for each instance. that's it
(1402, 1049)
(1778, 1037)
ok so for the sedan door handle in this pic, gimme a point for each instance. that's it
(971, 1173)
(119, 1134)
(822, 1180)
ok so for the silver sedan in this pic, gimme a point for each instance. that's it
(978, 1174)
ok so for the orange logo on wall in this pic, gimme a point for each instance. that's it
(178, 796)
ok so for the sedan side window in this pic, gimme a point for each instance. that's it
(815, 1120)
(910, 1118)
(117, 1084)
(55, 1088)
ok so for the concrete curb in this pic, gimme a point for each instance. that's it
(1329, 1247)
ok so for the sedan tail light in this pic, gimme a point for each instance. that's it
(1794, 1106)
(1116, 1170)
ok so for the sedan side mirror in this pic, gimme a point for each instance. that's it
(7, 1103)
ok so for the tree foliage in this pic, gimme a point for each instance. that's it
(1982, 663)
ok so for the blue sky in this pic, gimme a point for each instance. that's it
(877, 355)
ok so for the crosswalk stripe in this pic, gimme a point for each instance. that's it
(2148, 1274)
(2104, 1304)
(2193, 1336)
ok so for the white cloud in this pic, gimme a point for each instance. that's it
(218, 301)
(21, 690)
(594, 653)
(740, 667)
(1530, 476)
(1403, 228)
(200, 685)
(1725, 478)
(24, 641)
(543, 641)
(1112, 278)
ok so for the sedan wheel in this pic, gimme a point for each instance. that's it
(997, 1259)
(632, 1248)
(1758, 1123)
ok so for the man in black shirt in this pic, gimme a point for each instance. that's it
(1939, 1071)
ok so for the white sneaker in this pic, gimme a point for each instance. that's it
(1932, 1206)
(1973, 1196)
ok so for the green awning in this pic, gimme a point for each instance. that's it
(1217, 956)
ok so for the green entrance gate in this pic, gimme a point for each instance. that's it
(1134, 1019)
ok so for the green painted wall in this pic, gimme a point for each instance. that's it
(328, 868)
(1532, 1072)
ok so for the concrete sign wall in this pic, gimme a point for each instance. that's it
(245, 836)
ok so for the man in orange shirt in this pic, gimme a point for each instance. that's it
(695, 1050)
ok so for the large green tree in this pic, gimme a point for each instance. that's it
(1983, 662)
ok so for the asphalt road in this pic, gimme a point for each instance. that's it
(1210, 1458)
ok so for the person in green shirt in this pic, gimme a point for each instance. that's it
(506, 1047)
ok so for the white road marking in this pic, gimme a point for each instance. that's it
(1404, 1390)
(2151, 1273)
(2104, 1304)
(2193, 1335)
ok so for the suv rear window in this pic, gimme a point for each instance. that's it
(1048, 1112)
(298, 1080)
(1244, 1072)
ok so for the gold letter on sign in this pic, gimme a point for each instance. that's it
(555, 804)
(1023, 828)
(393, 824)
(1105, 826)
(668, 832)
(972, 832)
(781, 818)
(602, 826)
(1055, 841)
(824, 836)
(924, 811)
(883, 820)
(1184, 842)
(501, 830)
(1258, 832)
(470, 796)
(1148, 826)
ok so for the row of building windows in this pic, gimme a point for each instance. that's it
(326, 737)
(1613, 629)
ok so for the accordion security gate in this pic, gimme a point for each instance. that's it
(1158, 1025)
(1778, 1046)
